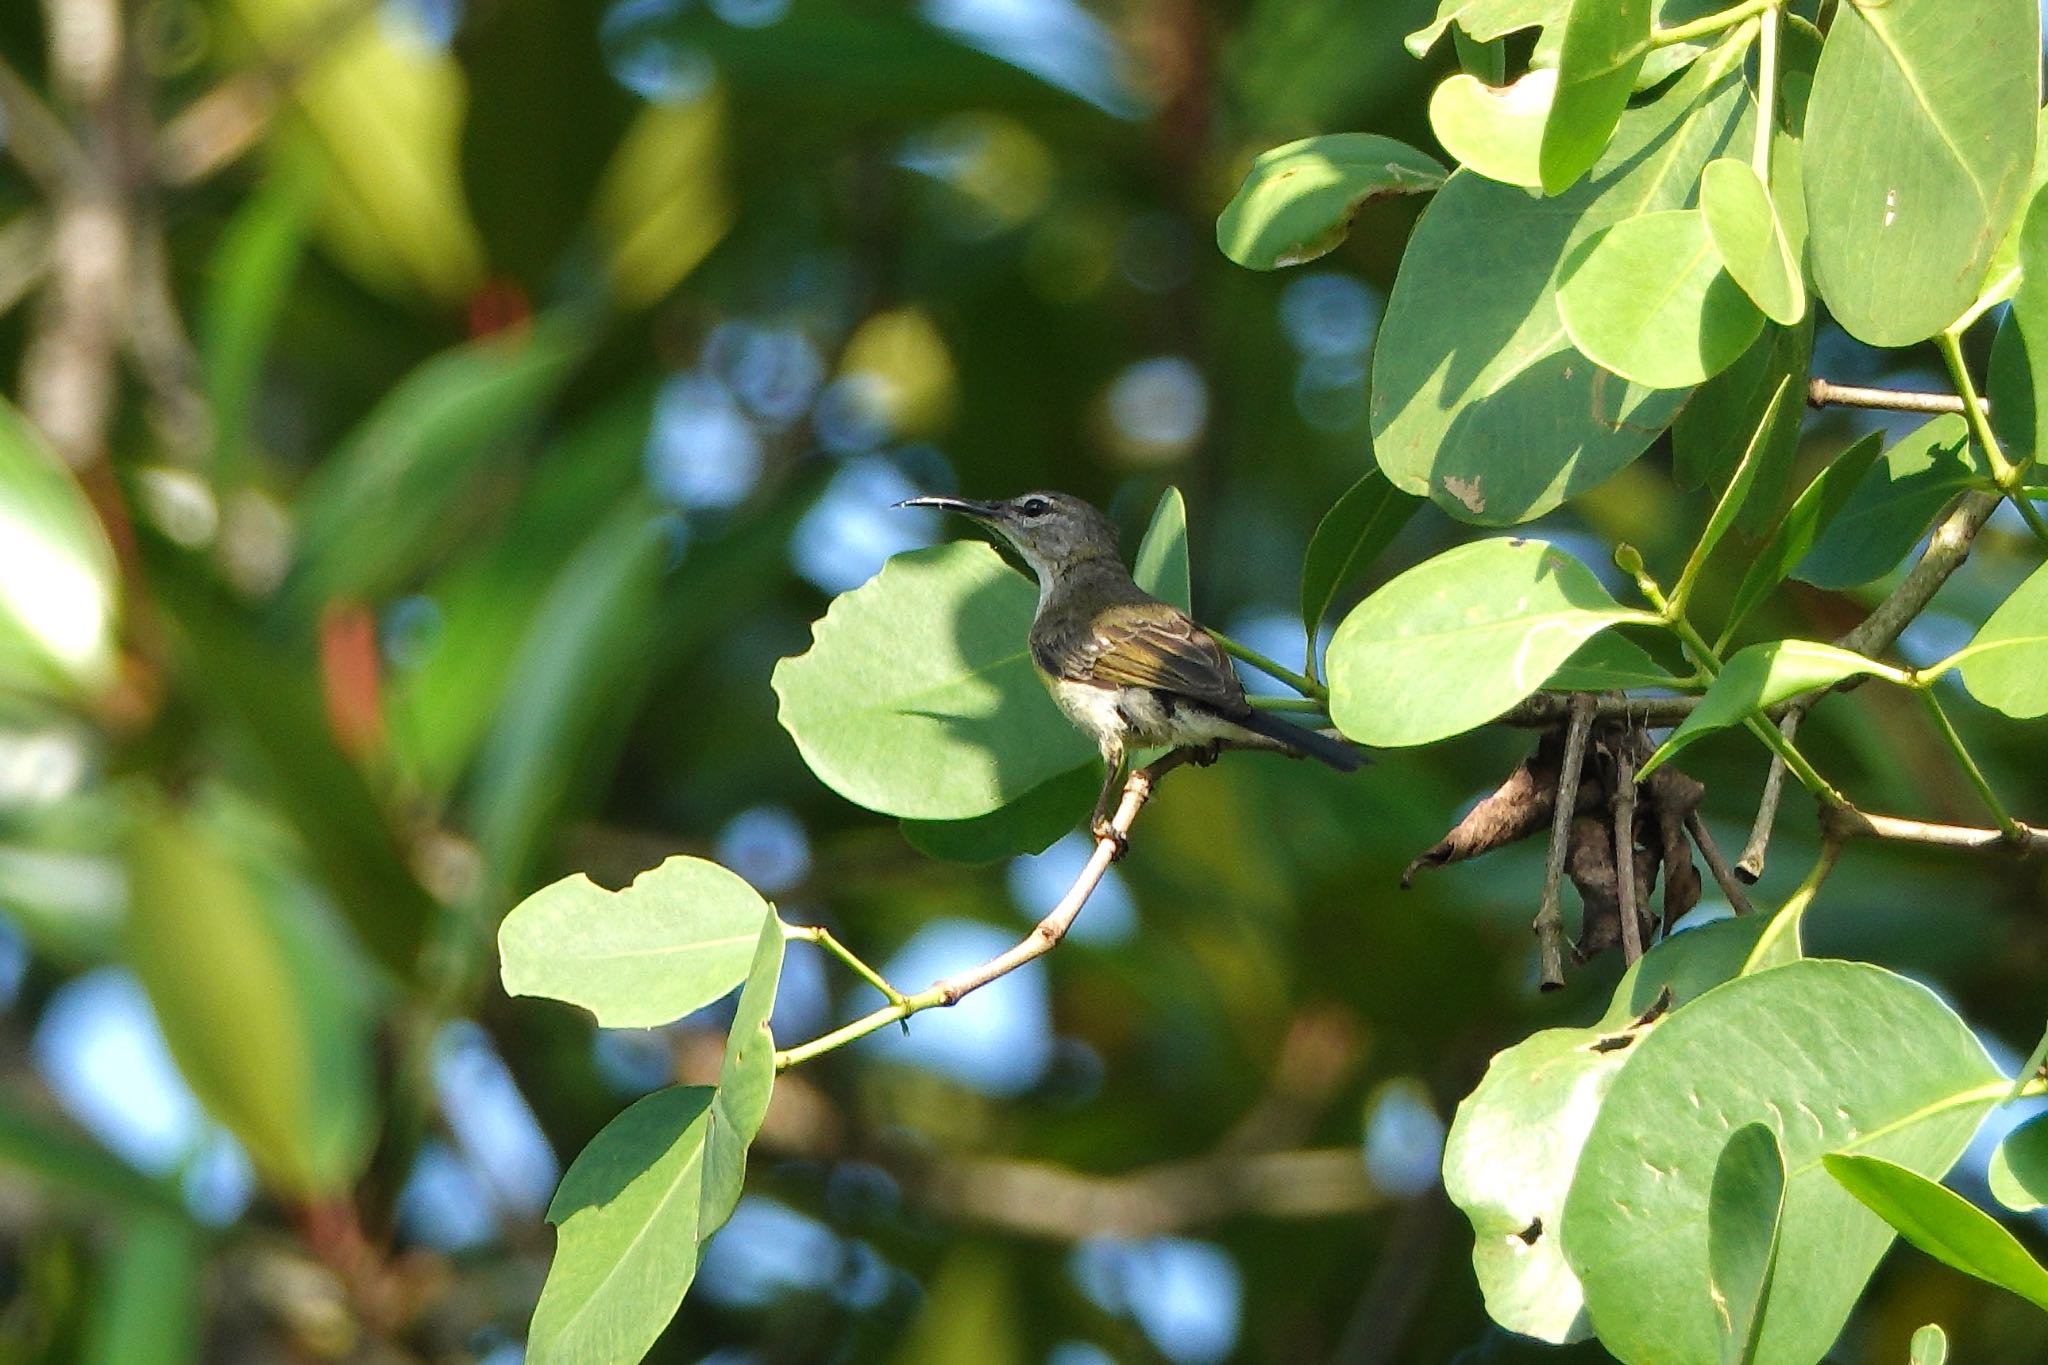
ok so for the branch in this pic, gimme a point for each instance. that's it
(1041, 940)
(1821, 393)
(1852, 823)
(44, 149)
(1043, 1200)
(1549, 924)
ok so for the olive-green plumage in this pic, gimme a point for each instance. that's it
(1129, 670)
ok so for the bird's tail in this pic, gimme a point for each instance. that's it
(1302, 740)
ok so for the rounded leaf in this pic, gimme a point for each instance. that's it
(58, 580)
(1919, 142)
(1458, 639)
(2006, 665)
(1495, 130)
(1604, 44)
(2019, 1168)
(675, 940)
(917, 697)
(1297, 201)
(1900, 1076)
(1650, 301)
(1753, 245)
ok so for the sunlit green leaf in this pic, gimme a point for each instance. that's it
(1734, 497)
(1514, 1143)
(675, 940)
(1460, 638)
(1760, 677)
(1919, 144)
(1754, 246)
(1479, 399)
(58, 584)
(1485, 19)
(1690, 325)
(1901, 1077)
(1893, 505)
(1351, 535)
(1941, 1223)
(260, 1007)
(663, 203)
(380, 110)
(1161, 564)
(2006, 665)
(1496, 131)
(1929, 1346)
(2019, 1168)
(1297, 201)
(917, 696)
(1745, 1206)
(1603, 48)
(637, 1204)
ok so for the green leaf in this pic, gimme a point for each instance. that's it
(1479, 399)
(260, 1008)
(58, 581)
(1486, 60)
(1941, 1223)
(2005, 665)
(1811, 514)
(1901, 1077)
(1745, 1208)
(638, 1203)
(2009, 387)
(1753, 244)
(1648, 299)
(1919, 144)
(1929, 1347)
(387, 497)
(917, 697)
(1485, 19)
(1604, 44)
(1514, 1143)
(1733, 497)
(2019, 1168)
(675, 940)
(2028, 323)
(1161, 566)
(68, 1162)
(1351, 535)
(579, 649)
(1030, 824)
(1458, 639)
(1714, 428)
(1760, 677)
(1297, 201)
(1893, 505)
(1608, 662)
(1496, 131)
(148, 1304)
(247, 287)
(379, 112)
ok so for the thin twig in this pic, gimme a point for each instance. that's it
(1549, 924)
(1821, 393)
(1042, 939)
(1729, 882)
(1625, 852)
(1856, 823)
(37, 138)
(1750, 867)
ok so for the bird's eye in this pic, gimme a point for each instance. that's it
(1034, 507)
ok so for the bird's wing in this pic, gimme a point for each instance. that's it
(1153, 645)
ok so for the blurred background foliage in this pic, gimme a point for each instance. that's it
(466, 402)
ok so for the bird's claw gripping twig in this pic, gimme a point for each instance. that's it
(1102, 828)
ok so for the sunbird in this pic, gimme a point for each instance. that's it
(1130, 671)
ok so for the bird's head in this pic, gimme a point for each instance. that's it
(1051, 531)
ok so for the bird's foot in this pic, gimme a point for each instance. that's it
(1103, 829)
(1202, 755)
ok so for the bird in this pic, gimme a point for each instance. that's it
(1129, 670)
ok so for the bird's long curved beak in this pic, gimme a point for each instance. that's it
(981, 511)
